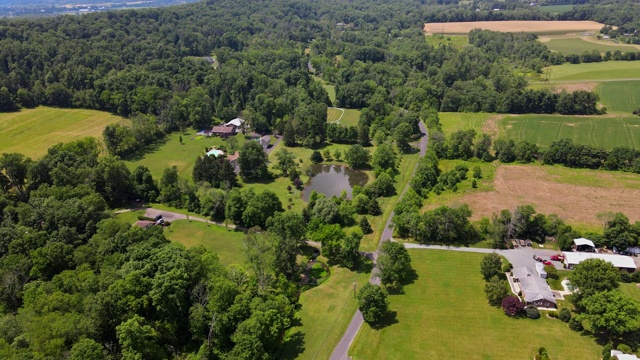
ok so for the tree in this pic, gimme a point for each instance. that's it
(593, 276)
(512, 305)
(564, 315)
(402, 135)
(15, 168)
(365, 226)
(236, 204)
(253, 162)
(143, 185)
(496, 290)
(286, 161)
(87, 349)
(373, 303)
(259, 250)
(491, 266)
(327, 211)
(394, 264)
(611, 313)
(316, 157)
(357, 157)
(383, 158)
(6, 101)
(288, 225)
(350, 252)
(260, 208)
(337, 154)
(138, 341)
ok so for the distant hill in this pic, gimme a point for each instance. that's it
(14, 8)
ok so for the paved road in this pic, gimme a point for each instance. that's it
(340, 352)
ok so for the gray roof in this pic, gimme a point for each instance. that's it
(533, 286)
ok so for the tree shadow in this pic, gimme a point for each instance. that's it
(293, 346)
(365, 266)
(390, 318)
(411, 278)
(149, 149)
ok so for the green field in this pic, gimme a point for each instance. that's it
(555, 9)
(217, 239)
(350, 117)
(169, 152)
(631, 289)
(607, 132)
(578, 46)
(457, 41)
(453, 121)
(607, 70)
(620, 96)
(325, 312)
(445, 315)
(33, 131)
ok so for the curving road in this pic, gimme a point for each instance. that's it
(340, 352)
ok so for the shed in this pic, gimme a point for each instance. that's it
(583, 244)
(535, 289)
(620, 261)
(265, 141)
(540, 270)
(622, 356)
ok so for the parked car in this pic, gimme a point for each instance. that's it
(557, 257)
(547, 262)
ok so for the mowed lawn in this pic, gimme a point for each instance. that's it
(607, 70)
(324, 314)
(578, 46)
(607, 132)
(620, 96)
(33, 131)
(347, 117)
(453, 121)
(631, 289)
(445, 315)
(225, 242)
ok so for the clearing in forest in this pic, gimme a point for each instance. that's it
(33, 131)
(226, 243)
(604, 131)
(346, 117)
(537, 27)
(576, 195)
(444, 314)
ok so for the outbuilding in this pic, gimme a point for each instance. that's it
(583, 244)
(571, 259)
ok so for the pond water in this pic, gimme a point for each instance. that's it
(332, 179)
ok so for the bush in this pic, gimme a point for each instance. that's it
(316, 157)
(506, 268)
(553, 314)
(564, 315)
(512, 306)
(606, 352)
(552, 272)
(625, 348)
(625, 277)
(542, 354)
(532, 312)
(145, 218)
(575, 325)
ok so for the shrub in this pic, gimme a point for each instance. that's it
(606, 352)
(575, 325)
(316, 157)
(474, 184)
(145, 218)
(512, 306)
(553, 314)
(506, 268)
(564, 315)
(552, 272)
(532, 312)
(625, 348)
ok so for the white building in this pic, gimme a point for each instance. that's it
(619, 261)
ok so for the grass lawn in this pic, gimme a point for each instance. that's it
(445, 315)
(33, 131)
(596, 71)
(556, 284)
(129, 217)
(325, 312)
(329, 88)
(457, 41)
(555, 9)
(347, 117)
(578, 46)
(620, 96)
(217, 239)
(631, 289)
(607, 132)
(453, 121)
(169, 152)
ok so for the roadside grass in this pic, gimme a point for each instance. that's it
(555, 9)
(620, 96)
(445, 315)
(578, 46)
(170, 152)
(607, 70)
(226, 243)
(457, 41)
(324, 314)
(33, 131)
(631, 289)
(452, 122)
(129, 217)
(607, 132)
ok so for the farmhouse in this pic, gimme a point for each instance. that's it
(535, 289)
(223, 131)
(583, 244)
(264, 141)
(620, 261)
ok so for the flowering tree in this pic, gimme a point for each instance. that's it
(512, 305)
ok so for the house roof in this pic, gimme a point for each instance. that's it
(533, 286)
(583, 241)
(223, 129)
(540, 268)
(622, 356)
(237, 122)
(619, 261)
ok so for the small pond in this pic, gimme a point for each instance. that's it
(332, 179)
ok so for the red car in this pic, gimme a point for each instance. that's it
(557, 257)
(547, 262)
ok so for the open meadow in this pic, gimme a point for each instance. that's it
(607, 70)
(575, 195)
(480, 122)
(33, 131)
(577, 45)
(345, 117)
(444, 314)
(620, 96)
(555, 9)
(537, 27)
(457, 41)
(604, 131)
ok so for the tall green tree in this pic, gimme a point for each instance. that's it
(253, 162)
(373, 303)
(394, 264)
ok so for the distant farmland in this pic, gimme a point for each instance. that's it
(607, 70)
(537, 27)
(620, 96)
(607, 132)
(578, 46)
(33, 131)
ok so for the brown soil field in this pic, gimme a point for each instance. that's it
(517, 185)
(538, 27)
(587, 86)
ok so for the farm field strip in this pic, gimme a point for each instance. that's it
(602, 71)
(539, 27)
(623, 96)
(578, 45)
